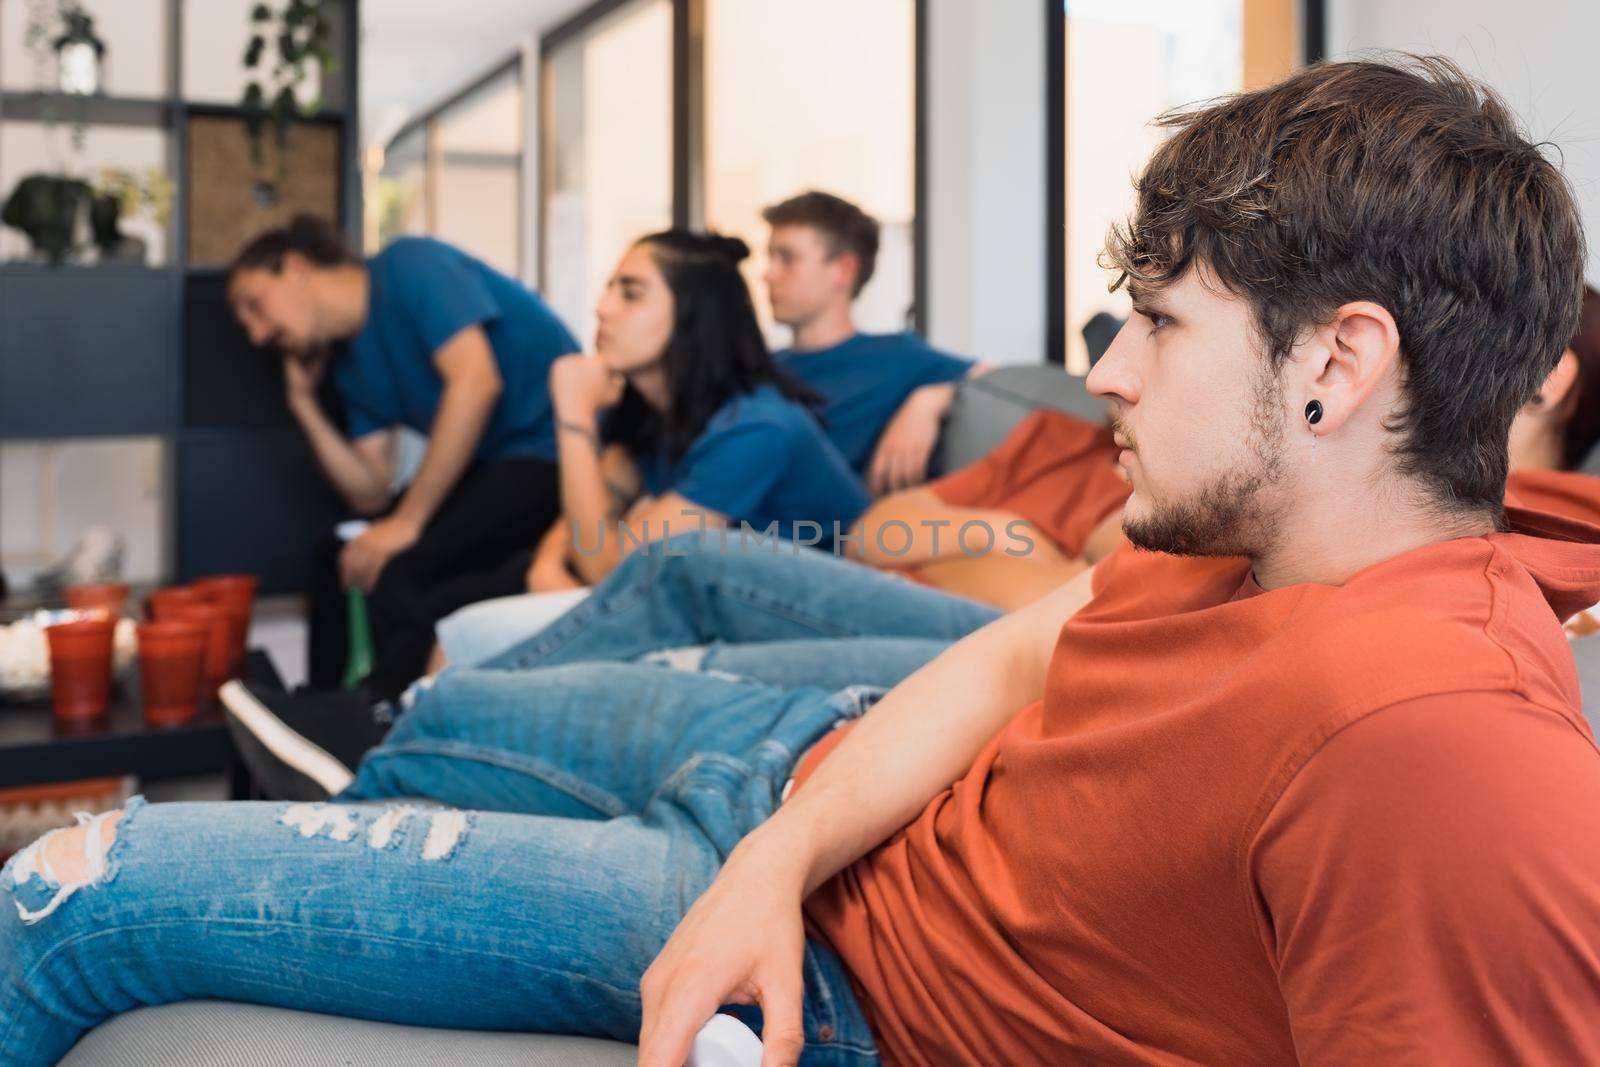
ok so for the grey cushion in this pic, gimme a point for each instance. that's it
(1591, 462)
(202, 1033)
(1586, 652)
(986, 409)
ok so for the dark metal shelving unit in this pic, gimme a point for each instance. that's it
(120, 351)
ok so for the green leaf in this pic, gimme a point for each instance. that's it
(254, 51)
(261, 13)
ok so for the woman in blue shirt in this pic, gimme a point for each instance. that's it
(701, 429)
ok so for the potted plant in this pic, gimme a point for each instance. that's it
(120, 193)
(284, 43)
(62, 30)
(45, 207)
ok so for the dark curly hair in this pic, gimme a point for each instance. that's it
(1405, 183)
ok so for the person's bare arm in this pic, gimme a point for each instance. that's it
(548, 572)
(651, 519)
(555, 561)
(472, 386)
(1000, 580)
(359, 471)
(1106, 538)
(900, 459)
(915, 526)
(743, 940)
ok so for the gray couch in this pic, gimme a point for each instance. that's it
(214, 1034)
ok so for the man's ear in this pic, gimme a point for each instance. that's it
(1558, 391)
(293, 265)
(847, 268)
(1347, 359)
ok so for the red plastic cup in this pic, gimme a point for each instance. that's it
(236, 593)
(80, 667)
(235, 590)
(219, 626)
(109, 597)
(162, 604)
(171, 666)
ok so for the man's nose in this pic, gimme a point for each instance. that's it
(1112, 377)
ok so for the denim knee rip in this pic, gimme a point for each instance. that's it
(30, 869)
(688, 658)
(446, 828)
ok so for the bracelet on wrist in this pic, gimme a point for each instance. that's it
(588, 433)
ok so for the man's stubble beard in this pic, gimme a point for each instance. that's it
(1226, 516)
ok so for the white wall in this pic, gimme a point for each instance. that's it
(986, 177)
(1537, 53)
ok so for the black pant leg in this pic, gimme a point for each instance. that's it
(495, 512)
(328, 631)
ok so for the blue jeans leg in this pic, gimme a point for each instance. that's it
(882, 662)
(587, 741)
(431, 917)
(693, 590)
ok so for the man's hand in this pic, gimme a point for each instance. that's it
(301, 377)
(743, 942)
(581, 385)
(362, 561)
(901, 458)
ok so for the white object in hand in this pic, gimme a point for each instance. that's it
(725, 1042)
(352, 529)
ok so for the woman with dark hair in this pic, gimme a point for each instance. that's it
(701, 429)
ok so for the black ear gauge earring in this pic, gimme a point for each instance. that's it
(1314, 412)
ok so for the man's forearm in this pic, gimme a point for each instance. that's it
(917, 741)
(464, 411)
(352, 476)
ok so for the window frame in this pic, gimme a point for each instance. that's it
(426, 123)
(1313, 48)
(688, 126)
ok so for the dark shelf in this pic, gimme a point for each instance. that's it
(88, 352)
(234, 111)
(37, 748)
(29, 269)
(251, 500)
(94, 110)
(24, 106)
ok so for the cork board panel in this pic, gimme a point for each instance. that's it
(224, 211)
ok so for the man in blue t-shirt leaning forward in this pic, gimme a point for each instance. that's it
(421, 336)
(886, 393)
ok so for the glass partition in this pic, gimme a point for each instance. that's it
(1153, 56)
(792, 104)
(608, 152)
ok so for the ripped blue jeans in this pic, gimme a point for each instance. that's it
(587, 807)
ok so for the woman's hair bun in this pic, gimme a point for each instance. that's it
(698, 245)
(731, 247)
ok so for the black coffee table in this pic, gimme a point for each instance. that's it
(36, 749)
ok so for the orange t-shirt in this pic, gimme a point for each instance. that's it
(1317, 824)
(1056, 471)
(1566, 493)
